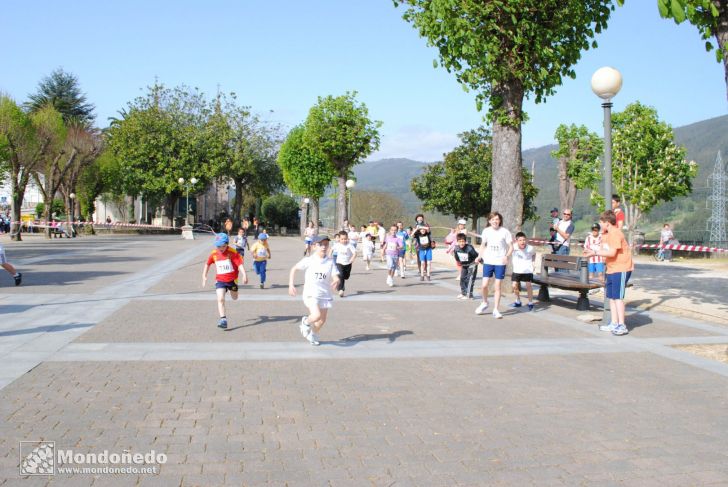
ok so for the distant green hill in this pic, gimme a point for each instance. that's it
(702, 140)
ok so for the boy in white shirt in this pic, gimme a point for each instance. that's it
(523, 259)
(367, 250)
(495, 248)
(345, 254)
(317, 287)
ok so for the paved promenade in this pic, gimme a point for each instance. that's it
(111, 344)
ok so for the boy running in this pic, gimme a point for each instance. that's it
(523, 259)
(618, 257)
(401, 257)
(228, 264)
(241, 242)
(367, 250)
(261, 254)
(317, 287)
(392, 245)
(344, 256)
(495, 248)
(466, 255)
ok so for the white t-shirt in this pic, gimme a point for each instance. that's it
(496, 245)
(382, 234)
(523, 260)
(368, 247)
(344, 253)
(354, 237)
(318, 276)
(566, 227)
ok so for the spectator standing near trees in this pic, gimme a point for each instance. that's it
(618, 212)
(564, 228)
(667, 238)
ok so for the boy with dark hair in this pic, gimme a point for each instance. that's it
(345, 254)
(522, 261)
(466, 255)
(228, 264)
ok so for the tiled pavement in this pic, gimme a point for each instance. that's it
(112, 345)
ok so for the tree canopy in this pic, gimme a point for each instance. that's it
(340, 128)
(62, 91)
(648, 167)
(504, 51)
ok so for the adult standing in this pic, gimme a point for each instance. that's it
(667, 238)
(564, 228)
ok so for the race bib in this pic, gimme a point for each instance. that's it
(463, 256)
(262, 253)
(424, 240)
(224, 266)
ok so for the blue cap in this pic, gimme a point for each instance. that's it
(221, 239)
(263, 236)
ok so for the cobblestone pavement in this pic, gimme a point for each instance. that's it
(110, 344)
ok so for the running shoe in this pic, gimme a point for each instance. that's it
(480, 310)
(530, 306)
(517, 304)
(422, 278)
(497, 315)
(429, 278)
(460, 296)
(313, 339)
(341, 293)
(222, 323)
(262, 285)
(18, 278)
(304, 327)
(620, 330)
(609, 327)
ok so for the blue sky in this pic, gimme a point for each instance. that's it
(281, 55)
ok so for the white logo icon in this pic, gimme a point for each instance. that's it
(37, 457)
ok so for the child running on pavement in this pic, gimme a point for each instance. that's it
(261, 254)
(228, 264)
(466, 255)
(367, 250)
(320, 278)
(423, 237)
(495, 248)
(17, 276)
(241, 242)
(402, 256)
(392, 245)
(523, 259)
(345, 254)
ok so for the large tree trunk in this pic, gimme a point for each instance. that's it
(238, 203)
(169, 202)
(17, 205)
(567, 187)
(302, 220)
(507, 162)
(341, 213)
(315, 213)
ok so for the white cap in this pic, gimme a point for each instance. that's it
(462, 221)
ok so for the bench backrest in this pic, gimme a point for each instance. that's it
(565, 262)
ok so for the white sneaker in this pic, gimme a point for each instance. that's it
(341, 293)
(304, 327)
(460, 296)
(497, 315)
(313, 339)
(390, 281)
(480, 310)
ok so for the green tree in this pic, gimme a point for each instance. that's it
(242, 148)
(711, 19)
(341, 130)
(280, 209)
(461, 185)
(578, 156)
(648, 167)
(61, 90)
(158, 139)
(376, 205)
(305, 170)
(506, 50)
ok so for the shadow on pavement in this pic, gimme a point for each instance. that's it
(63, 278)
(264, 320)
(355, 339)
(45, 329)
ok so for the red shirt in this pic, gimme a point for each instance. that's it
(619, 214)
(226, 264)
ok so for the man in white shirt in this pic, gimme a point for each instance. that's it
(564, 228)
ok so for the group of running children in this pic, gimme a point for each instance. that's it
(327, 267)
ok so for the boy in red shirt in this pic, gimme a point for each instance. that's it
(228, 263)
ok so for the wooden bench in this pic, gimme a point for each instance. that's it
(576, 280)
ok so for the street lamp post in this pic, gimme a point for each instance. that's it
(72, 197)
(187, 185)
(606, 83)
(350, 183)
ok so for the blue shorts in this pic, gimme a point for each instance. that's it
(401, 253)
(617, 284)
(231, 286)
(425, 255)
(498, 270)
(308, 240)
(596, 267)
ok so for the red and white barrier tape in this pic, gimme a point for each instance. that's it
(689, 248)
